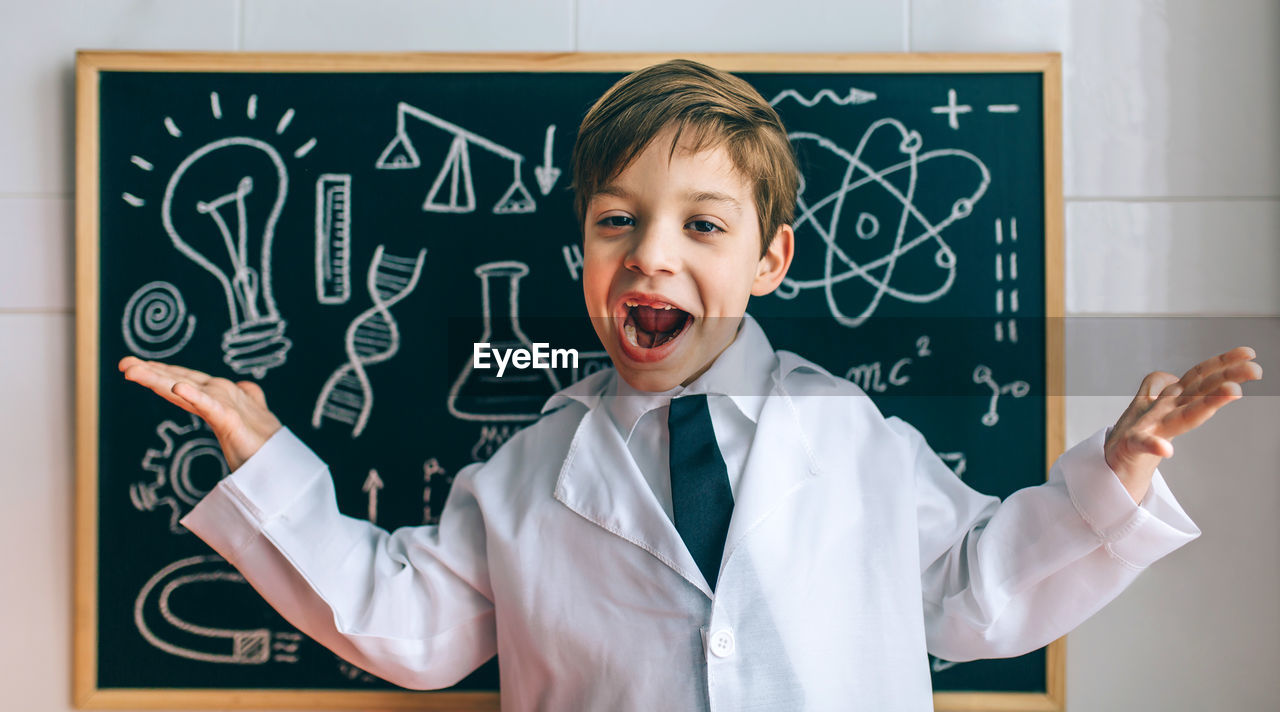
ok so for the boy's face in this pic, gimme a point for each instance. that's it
(671, 253)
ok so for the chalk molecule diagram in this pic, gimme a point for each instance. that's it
(982, 375)
(893, 234)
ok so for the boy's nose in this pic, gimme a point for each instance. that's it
(654, 250)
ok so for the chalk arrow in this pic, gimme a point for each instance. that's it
(546, 173)
(372, 484)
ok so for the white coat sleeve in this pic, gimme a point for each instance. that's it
(1001, 579)
(413, 606)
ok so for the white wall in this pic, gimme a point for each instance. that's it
(1173, 207)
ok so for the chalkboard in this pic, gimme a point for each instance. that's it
(343, 228)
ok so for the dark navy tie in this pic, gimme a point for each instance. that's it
(701, 499)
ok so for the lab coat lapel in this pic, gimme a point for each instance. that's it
(601, 482)
(781, 462)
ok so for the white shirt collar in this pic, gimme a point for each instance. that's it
(742, 372)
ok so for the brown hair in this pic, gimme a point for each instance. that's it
(717, 106)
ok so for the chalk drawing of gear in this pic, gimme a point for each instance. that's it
(162, 627)
(186, 468)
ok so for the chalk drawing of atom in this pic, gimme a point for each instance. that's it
(881, 213)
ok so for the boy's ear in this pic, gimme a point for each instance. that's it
(775, 262)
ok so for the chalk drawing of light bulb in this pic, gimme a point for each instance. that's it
(220, 210)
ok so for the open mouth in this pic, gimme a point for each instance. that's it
(649, 326)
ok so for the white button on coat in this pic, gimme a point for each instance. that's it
(722, 643)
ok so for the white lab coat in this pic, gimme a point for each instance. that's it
(852, 550)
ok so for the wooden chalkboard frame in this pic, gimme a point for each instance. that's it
(85, 690)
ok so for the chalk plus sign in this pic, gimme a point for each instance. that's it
(952, 109)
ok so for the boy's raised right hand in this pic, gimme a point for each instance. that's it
(235, 411)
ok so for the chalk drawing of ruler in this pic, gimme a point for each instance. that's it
(333, 238)
(372, 337)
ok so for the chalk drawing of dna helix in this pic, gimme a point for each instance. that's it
(372, 337)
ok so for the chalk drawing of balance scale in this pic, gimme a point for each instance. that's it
(453, 190)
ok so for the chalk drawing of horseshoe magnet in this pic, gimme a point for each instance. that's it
(165, 629)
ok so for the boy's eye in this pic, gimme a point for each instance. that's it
(704, 226)
(609, 221)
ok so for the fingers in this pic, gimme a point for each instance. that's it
(1241, 355)
(209, 397)
(145, 374)
(1198, 409)
(163, 370)
(1152, 444)
(214, 411)
(1234, 373)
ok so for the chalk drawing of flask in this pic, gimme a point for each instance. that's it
(517, 396)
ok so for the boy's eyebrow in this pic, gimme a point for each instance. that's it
(693, 196)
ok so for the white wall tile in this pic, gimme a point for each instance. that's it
(35, 511)
(1173, 98)
(988, 25)
(38, 41)
(409, 25)
(36, 241)
(1197, 630)
(1197, 257)
(737, 26)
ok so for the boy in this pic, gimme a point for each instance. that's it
(711, 524)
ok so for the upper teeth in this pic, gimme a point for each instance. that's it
(664, 307)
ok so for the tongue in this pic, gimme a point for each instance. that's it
(651, 319)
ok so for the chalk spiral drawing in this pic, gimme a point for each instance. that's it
(982, 375)
(155, 322)
(163, 628)
(372, 337)
(178, 482)
(214, 231)
(456, 169)
(838, 265)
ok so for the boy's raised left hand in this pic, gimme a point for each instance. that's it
(1167, 406)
